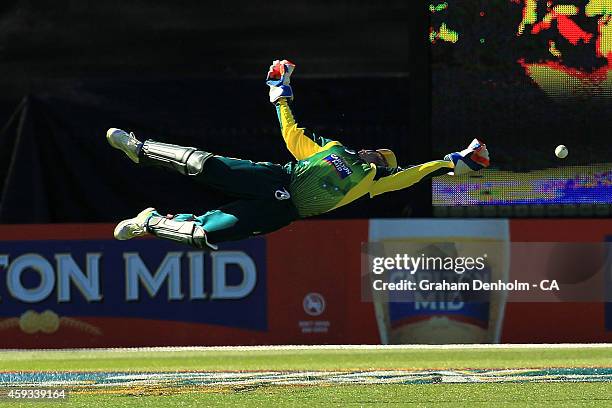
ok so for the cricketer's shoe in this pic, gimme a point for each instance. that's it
(475, 157)
(125, 142)
(133, 227)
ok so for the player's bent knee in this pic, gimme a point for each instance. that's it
(195, 162)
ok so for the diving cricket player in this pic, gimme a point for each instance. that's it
(324, 176)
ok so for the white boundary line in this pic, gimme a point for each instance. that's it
(328, 347)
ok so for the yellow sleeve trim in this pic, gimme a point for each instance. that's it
(407, 177)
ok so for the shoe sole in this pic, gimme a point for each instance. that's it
(120, 232)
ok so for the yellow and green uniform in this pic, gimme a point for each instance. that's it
(325, 176)
(328, 175)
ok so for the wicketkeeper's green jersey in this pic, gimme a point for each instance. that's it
(323, 180)
(327, 175)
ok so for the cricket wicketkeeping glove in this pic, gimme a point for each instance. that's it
(278, 79)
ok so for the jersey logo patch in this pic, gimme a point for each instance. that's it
(282, 194)
(340, 165)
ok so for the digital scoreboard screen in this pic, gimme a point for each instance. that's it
(524, 76)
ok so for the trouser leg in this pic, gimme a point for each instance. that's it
(241, 178)
(235, 221)
(246, 179)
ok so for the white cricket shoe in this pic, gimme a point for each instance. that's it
(133, 227)
(475, 157)
(125, 142)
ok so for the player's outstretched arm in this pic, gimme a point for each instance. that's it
(300, 142)
(393, 179)
(475, 157)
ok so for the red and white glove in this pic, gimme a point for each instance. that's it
(278, 79)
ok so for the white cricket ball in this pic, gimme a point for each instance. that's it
(561, 151)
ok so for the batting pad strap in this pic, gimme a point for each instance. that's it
(186, 232)
(186, 160)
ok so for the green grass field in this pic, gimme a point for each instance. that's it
(395, 376)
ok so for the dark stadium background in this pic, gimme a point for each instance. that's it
(479, 88)
(192, 72)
